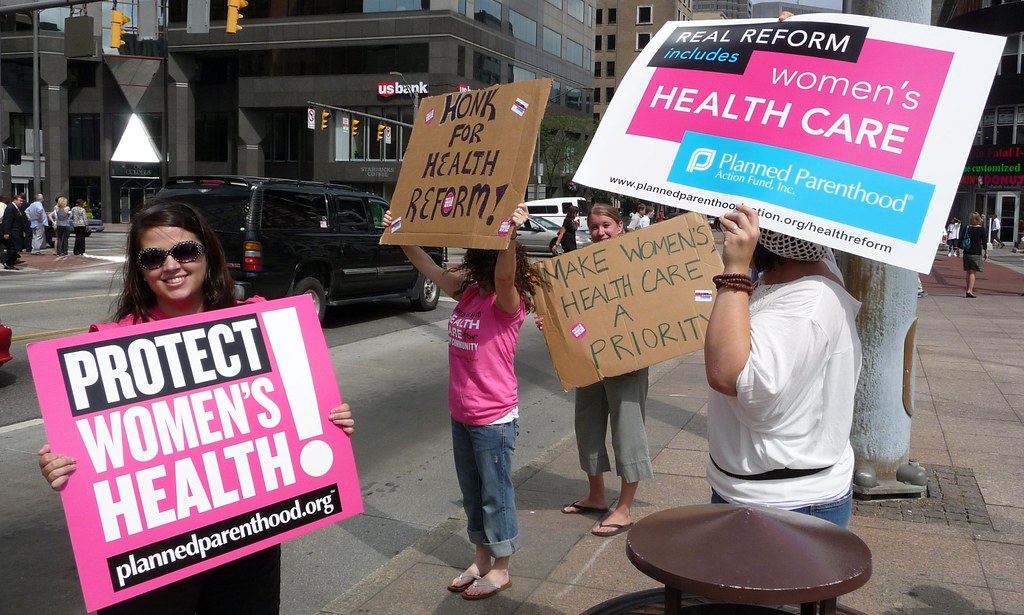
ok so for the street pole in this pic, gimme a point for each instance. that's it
(886, 324)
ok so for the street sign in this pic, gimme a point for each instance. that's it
(387, 135)
(311, 118)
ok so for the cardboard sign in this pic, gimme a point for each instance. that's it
(467, 165)
(844, 130)
(198, 440)
(629, 302)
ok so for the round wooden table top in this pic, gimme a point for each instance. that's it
(749, 554)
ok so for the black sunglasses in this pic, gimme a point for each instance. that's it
(183, 252)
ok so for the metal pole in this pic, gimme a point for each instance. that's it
(37, 158)
(886, 325)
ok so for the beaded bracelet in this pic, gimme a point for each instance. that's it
(736, 281)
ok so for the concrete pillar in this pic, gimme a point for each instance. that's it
(885, 392)
(181, 106)
(251, 127)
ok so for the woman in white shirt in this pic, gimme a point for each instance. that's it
(782, 358)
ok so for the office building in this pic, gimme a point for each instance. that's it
(206, 101)
(771, 10)
(732, 9)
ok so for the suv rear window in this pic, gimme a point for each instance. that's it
(225, 207)
(286, 209)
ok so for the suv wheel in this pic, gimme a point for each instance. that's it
(313, 288)
(427, 294)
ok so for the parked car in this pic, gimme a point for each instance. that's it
(5, 343)
(95, 225)
(285, 237)
(537, 235)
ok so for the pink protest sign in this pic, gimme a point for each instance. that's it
(845, 130)
(198, 440)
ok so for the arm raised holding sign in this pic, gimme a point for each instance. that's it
(494, 289)
(782, 359)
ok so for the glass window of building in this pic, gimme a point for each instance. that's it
(597, 69)
(600, 16)
(988, 123)
(488, 12)
(552, 42)
(1004, 125)
(84, 136)
(20, 123)
(461, 61)
(611, 42)
(555, 3)
(597, 42)
(574, 98)
(609, 69)
(643, 14)
(642, 38)
(519, 73)
(522, 27)
(590, 16)
(597, 96)
(282, 142)
(1011, 62)
(381, 6)
(1020, 126)
(576, 10)
(608, 93)
(211, 136)
(574, 52)
(612, 16)
(486, 68)
(556, 93)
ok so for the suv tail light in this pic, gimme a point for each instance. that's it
(252, 257)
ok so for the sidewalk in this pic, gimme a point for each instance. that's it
(959, 551)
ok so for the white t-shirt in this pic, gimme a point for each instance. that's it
(644, 222)
(794, 407)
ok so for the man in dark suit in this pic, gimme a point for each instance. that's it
(12, 227)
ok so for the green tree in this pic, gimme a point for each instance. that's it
(563, 142)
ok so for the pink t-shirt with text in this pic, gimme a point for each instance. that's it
(482, 386)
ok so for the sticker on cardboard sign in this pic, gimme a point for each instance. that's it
(396, 224)
(702, 295)
(449, 203)
(520, 106)
(505, 227)
(429, 117)
(579, 331)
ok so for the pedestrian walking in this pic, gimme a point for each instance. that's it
(38, 220)
(15, 223)
(975, 251)
(953, 237)
(993, 230)
(80, 223)
(61, 218)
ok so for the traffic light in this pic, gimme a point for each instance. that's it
(380, 132)
(117, 22)
(355, 127)
(234, 14)
(325, 118)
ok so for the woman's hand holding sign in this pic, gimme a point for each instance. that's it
(342, 417)
(741, 231)
(55, 468)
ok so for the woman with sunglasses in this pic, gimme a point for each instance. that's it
(175, 266)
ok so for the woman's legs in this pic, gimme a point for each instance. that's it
(971, 277)
(79, 240)
(627, 404)
(591, 421)
(483, 463)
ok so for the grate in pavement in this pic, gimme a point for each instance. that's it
(954, 499)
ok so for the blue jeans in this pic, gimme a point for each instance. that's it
(836, 511)
(483, 463)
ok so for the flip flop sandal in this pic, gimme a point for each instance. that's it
(455, 587)
(495, 589)
(616, 529)
(580, 509)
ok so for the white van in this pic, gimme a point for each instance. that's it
(554, 210)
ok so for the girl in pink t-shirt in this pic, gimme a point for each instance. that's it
(494, 290)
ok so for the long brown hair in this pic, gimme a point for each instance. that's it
(479, 267)
(137, 298)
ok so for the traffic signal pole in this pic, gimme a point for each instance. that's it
(313, 103)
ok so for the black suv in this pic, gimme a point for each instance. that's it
(284, 237)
